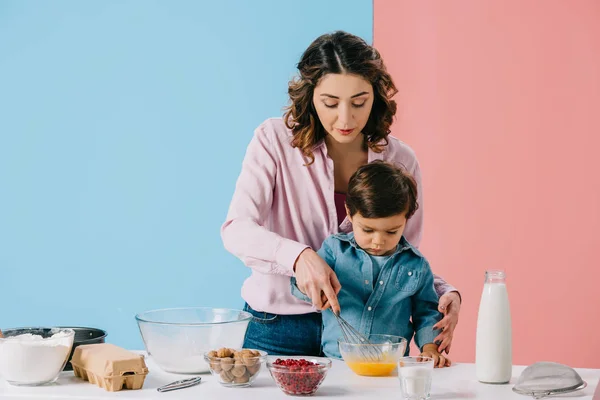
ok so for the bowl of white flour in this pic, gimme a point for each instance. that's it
(34, 356)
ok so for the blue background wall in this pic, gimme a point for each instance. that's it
(123, 125)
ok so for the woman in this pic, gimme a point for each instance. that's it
(291, 191)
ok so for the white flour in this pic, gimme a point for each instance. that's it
(183, 351)
(31, 359)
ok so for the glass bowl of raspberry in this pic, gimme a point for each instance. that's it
(298, 376)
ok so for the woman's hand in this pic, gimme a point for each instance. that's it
(316, 279)
(432, 351)
(450, 307)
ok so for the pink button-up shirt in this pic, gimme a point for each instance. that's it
(280, 207)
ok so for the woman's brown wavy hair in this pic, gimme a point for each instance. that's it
(336, 53)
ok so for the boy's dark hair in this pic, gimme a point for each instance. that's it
(380, 189)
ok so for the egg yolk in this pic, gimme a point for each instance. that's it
(371, 369)
(383, 367)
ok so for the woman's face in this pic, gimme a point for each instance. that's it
(343, 103)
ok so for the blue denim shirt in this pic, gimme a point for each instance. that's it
(404, 289)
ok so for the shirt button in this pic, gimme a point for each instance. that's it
(409, 273)
(369, 308)
(381, 282)
(366, 282)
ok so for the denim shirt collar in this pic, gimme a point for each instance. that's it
(403, 245)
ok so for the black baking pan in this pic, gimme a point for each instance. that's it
(84, 335)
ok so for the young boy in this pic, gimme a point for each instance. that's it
(385, 281)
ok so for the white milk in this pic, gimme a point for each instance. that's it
(493, 359)
(415, 382)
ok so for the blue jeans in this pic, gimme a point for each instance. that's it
(289, 335)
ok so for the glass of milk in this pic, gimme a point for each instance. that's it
(415, 377)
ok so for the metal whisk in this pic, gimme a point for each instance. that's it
(368, 351)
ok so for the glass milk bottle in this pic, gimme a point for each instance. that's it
(493, 354)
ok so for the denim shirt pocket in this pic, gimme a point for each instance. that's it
(407, 279)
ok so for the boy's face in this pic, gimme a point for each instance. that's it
(378, 236)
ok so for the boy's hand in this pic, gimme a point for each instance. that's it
(439, 361)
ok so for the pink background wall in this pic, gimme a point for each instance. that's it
(501, 101)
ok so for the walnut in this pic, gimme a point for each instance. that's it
(241, 379)
(216, 366)
(227, 376)
(227, 364)
(224, 352)
(212, 354)
(253, 369)
(239, 369)
(250, 360)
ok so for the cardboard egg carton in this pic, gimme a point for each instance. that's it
(109, 366)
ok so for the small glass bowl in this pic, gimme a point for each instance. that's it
(238, 371)
(299, 380)
(379, 358)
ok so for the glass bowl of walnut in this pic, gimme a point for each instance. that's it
(235, 367)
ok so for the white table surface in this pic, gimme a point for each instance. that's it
(456, 382)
